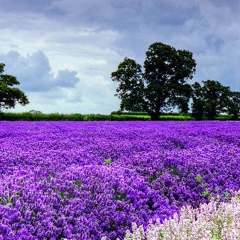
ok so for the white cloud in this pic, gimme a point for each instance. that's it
(34, 72)
(64, 93)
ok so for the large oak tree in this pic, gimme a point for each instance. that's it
(161, 82)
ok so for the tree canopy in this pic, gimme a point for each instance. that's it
(233, 107)
(213, 98)
(10, 95)
(161, 85)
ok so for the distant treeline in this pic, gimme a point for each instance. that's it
(114, 116)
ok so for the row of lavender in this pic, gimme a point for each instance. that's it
(86, 180)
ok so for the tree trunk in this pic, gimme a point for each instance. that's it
(155, 116)
(235, 115)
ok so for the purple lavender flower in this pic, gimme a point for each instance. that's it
(87, 180)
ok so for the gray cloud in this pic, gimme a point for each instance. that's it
(35, 74)
(24, 6)
(66, 78)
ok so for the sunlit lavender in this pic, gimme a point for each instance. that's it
(88, 180)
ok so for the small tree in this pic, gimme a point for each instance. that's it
(163, 84)
(233, 107)
(10, 95)
(209, 100)
(131, 86)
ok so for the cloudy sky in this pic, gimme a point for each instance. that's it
(63, 51)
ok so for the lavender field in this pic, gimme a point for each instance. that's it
(87, 180)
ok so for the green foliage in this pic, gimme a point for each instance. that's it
(199, 178)
(9, 95)
(218, 235)
(38, 116)
(175, 171)
(152, 178)
(120, 196)
(205, 192)
(129, 117)
(227, 195)
(108, 161)
(210, 100)
(131, 85)
(8, 200)
(95, 117)
(224, 117)
(161, 85)
(233, 107)
(175, 117)
(62, 194)
(129, 113)
(75, 117)
(209, 195)
(78, 183)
